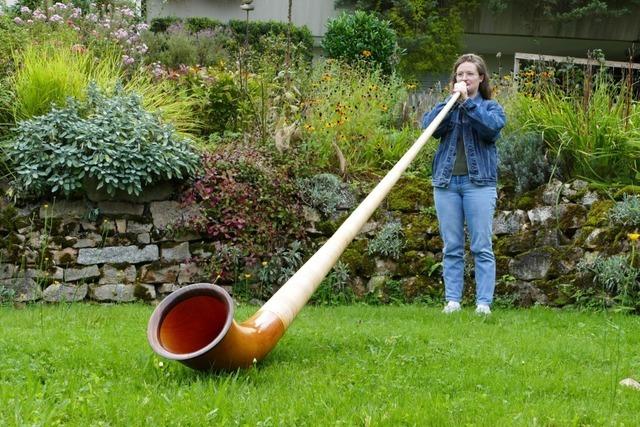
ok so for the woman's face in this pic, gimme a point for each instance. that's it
(468, 72)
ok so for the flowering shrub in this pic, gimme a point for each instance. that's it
(112, 25)
(352, 108)
(177, 46)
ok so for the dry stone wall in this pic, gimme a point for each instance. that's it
(108, 251)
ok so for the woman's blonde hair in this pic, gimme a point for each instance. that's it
(485, 87)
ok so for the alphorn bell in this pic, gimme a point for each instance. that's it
(194, 325)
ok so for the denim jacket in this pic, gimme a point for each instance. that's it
(480, 121)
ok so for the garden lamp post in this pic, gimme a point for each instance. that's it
(247, 7)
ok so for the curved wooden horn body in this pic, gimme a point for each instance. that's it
(195, 325)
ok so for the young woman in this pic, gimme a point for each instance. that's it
(464, 180)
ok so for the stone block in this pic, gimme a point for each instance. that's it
(64, 292)
(75, 274)
(178, 252)
(112, 275)
(118, 292)
(118, 255)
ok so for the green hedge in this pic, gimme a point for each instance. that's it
(257, 30)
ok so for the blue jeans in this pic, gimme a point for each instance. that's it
(460, 202)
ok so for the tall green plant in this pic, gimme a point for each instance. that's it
(596, 136)
(50, 72)
(349, 115)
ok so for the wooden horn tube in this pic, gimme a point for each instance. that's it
(194, 325)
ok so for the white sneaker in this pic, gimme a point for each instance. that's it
(451, 307)
(483, 309)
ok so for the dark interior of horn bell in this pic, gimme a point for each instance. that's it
(193, 323)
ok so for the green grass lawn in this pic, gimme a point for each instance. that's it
(91, 365)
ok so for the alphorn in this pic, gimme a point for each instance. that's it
(194, 325)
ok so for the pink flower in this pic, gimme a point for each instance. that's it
(18, 21)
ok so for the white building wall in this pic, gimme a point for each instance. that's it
(312, 13)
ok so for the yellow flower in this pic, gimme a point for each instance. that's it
(264, 263)
(247, 276)
(366, 53)
(633, 236)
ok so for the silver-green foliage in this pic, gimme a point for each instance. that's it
(324, 192)
(109, 139)
(389, 241)
(627, 211)
(617, 276)
(523, 160)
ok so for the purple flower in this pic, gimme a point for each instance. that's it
(56, 18)
(127, 60)
(25, 9)
(18, 21)
(120, 34)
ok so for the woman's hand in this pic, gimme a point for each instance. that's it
(462, 88)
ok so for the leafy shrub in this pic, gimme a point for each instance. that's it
(389, 241)
(523, 160)
(260, 30)
(279, 268)
(430, 32)
(361, 37)
(195, 24)
(325, 192)
(246, 200)
(627, 211)
(110, 139)
(161, 24)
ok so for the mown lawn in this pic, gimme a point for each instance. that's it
(89, 365)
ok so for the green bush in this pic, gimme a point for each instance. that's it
(362, 37)
(324, 192)
(111, 140)
(389, 241)
(523, 160)
(160, 25)
(626, 211)
(429, 32)
(196, 24)
(258, 30)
